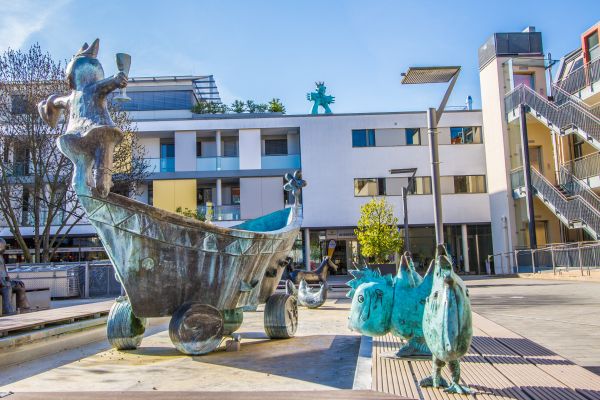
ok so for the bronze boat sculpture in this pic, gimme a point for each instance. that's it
(200, 274)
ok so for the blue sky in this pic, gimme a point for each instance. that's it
(264, 49)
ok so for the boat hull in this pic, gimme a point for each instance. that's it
(164, 260)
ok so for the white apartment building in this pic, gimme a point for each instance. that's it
(232, 166)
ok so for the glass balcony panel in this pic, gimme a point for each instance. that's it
(220, 213)
(206, 164)
(289, 161)
(228, 163)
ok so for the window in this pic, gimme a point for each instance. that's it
(157, 100)
(413, 136)
(230, 148)
(275, 147)
(363, 137)
(593, 47)
(463, 184)
(198, 149)
(420, 185)
(235, 195)
(364, 187)
(18, 104)
(465, 135)
(524, 79)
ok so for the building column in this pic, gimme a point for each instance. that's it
(218, 153)
(219, 199)
(465, 247)
(185, 151)
(306, 243)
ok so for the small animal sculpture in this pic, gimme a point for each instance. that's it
(404, 295)
(91, 135)
(320, 275)
(447, 324)
(307, 297)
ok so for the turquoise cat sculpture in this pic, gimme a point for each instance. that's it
(382, 304)
(447, 324)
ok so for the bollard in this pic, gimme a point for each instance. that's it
(86, 279)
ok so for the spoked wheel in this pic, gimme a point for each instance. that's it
(196, 328)
(125, 331)
(281, 316)
(232, 320)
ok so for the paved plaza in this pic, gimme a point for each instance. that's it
(559, 315)
(321, 356)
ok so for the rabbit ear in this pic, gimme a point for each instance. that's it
(93, 50)
(83, 48)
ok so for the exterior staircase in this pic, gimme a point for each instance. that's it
(565, 115)
(574, 204)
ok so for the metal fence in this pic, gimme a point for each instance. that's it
(78, 279)
(579, 256)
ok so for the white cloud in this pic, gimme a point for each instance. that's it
(20, 19)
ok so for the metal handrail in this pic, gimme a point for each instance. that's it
(580, 78)
(561, 96)
(574, 208)
(576, 187)
(565, 116)
(584, 167)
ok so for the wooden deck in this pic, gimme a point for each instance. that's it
(500, 365)
(133, 395)
(12, 324)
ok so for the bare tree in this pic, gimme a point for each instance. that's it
(37, 202)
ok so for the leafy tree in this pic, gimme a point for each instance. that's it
(201, 107)
(35, 177)
(251, 106)
(238, 106)
(275, 105)
(262, 107)
(194, 214)
(377, 231)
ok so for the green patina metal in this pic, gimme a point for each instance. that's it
(382, 304)
(320, 99)
(447, 324)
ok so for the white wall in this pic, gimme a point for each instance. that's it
(260, 196)
(185, 151)
(250, 148)
(497, 159)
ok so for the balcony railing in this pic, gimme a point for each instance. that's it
(166, 164)
(581, 78)
(287, 161)
(220, 213)
(217, 163)
(584, 167)
(564, 116)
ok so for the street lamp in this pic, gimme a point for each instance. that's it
(423, 75)
(411, 172)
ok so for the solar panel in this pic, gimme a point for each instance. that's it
(419, 75)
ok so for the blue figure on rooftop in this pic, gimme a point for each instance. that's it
(320, 98)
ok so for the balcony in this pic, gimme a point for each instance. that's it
(217, 163)
(582, 82)
(161, 164)
(220, 213)
(287, 161)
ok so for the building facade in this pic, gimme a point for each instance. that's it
(542, 143)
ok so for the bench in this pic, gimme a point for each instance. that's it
(39, 299)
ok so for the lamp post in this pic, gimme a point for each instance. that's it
(411, 172)
(423, 75)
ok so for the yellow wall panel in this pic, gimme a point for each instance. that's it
(171, 194)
